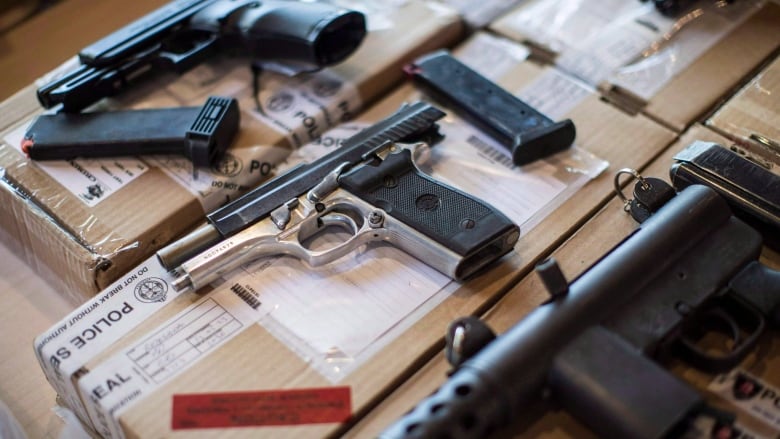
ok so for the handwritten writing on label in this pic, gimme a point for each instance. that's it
(117, 383)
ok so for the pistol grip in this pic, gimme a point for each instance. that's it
(475, 231)
(760, 285)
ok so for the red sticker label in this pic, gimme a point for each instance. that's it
(278, 407)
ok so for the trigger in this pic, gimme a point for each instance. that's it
(421, 153)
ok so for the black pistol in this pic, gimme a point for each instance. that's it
(301, 36)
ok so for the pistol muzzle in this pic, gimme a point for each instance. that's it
(174, 254)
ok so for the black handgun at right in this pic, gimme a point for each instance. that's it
(690, 270)
(299, 36)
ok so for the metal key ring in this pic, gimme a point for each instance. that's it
(619, 191)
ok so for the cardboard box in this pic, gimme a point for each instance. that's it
(161, 198)
(751, 118)
(267, 364)
(673, 70)
(585, 247)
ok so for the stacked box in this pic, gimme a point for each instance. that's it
(673, 69)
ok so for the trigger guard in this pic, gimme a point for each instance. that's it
(708, 320)
(325, 220)
(352, 221)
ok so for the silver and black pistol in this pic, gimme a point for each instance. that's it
(370, 187)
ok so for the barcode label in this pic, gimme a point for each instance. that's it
(491, 152)
(247, 296)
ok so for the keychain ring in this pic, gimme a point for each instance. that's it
(632, 172)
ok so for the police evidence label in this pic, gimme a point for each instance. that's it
(751, 394)
(239, 170)
(303, 107)
(70, 344)
(90, 180)
(168, 350)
